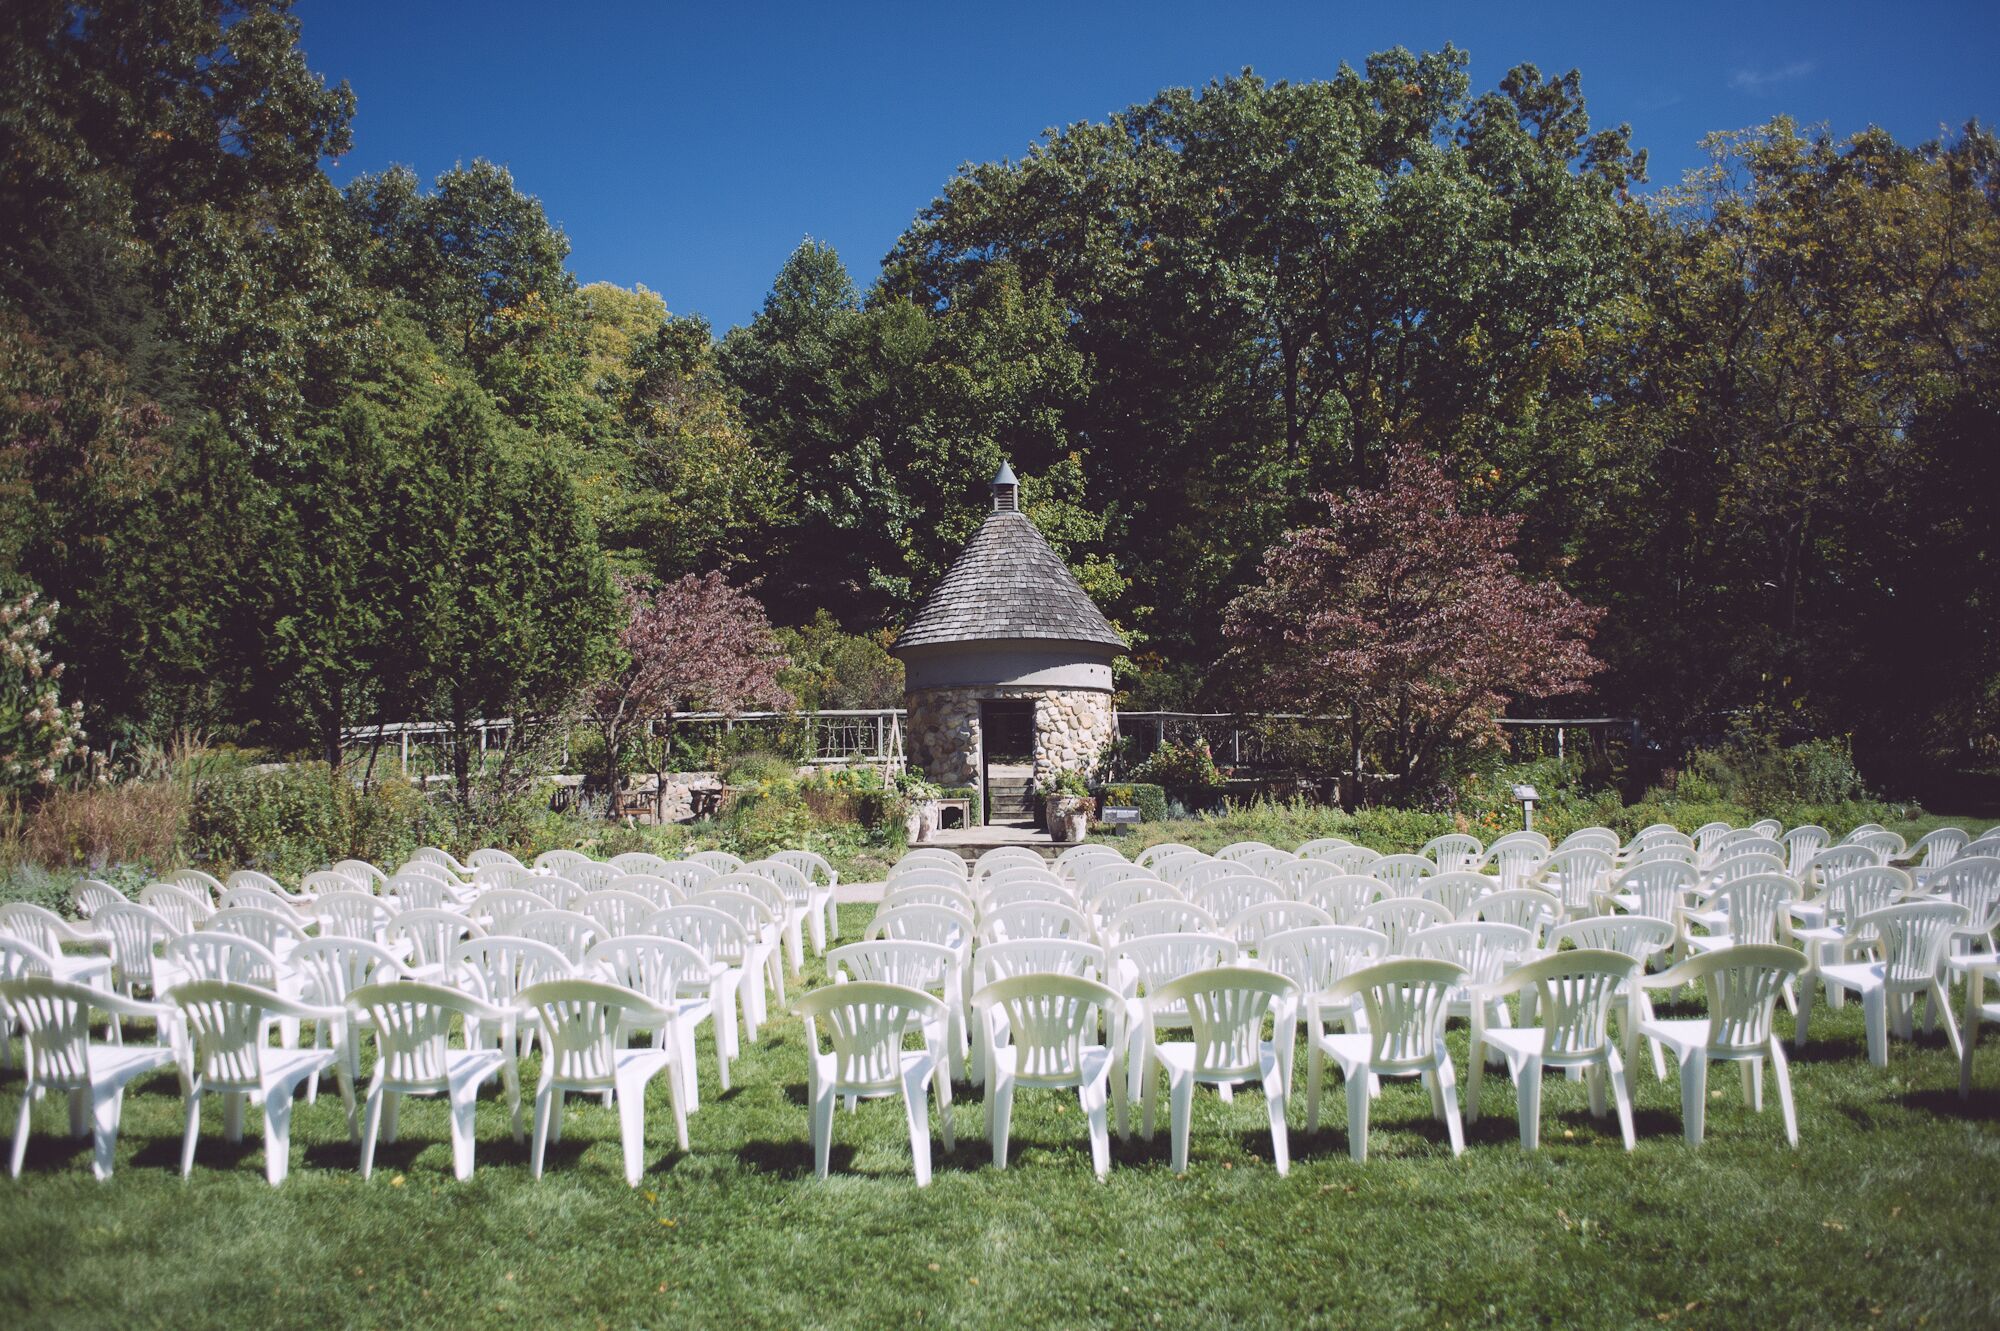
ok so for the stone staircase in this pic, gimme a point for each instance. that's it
(1008, 800)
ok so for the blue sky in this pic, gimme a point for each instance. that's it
(690, 147)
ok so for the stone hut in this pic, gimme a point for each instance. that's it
(1007, 666)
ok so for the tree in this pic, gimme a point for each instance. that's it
(1408, 622)
(39, 737)
(695, 644)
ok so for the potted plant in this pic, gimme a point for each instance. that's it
(1066, 806)
(922, 794)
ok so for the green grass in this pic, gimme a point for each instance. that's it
(1879, 1218)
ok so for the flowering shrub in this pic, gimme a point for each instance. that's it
(1180, 765)
(39, 737)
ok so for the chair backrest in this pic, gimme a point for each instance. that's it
(1454, 851)
(1937, 848)
(362, 874)
(322, 881)
(558, 862)
(1030, 956)
(1515, 862)
(1708, 835)
(266, 928)
(484, 856)
(1524, 837)
(1197, 874)
(1751, 845)
(657, 967)
(1669, 850)
(1320, 957)
(1756, 906)
(1743, 984)
(1075, 863)
(498, 968)
(639, 861)
(515, 876)
(1307, 850)
(1176, 867)
(1237, 850)
(54, 1017)
(1577, 876)
(651, 886)
(687, 877)
(204, 886)
(867, 1024)
(1406, 1002)
(1295, 876)
(425, 869)
(617, 913)
(1003, 857)
(1104, 875)
(413, 1022)
(719, 860)
(1034, 874)
(1591, 838)
(499, 909)
(592, 877)
(1914, 936)
(946, 898)
(794, 888)
(815, 867)
(1249, 927)
(1399, 917)
(225, 1027)
(564, 930)
(1267, 862)
(1152, 855)
(352, 914)
(1483, 949)
(182, 908)
(1350, 859)
(1049, 1020)
(580, 1021)
(1862, 892)
(1529, 907)
(1661, 886)
(1576, 990)
(926, 924)
(930, 861)
(18, 959)
(1033, 919)
(1886, 845)
(556, 892)
(715, 934)
(1635, 936)
(1156, 959)
(432, 934)
(135, 934)
(333, 968)
(1973, 881)
(1656, 835)
(245, 897)
(1149, 918)
(1342, 896)
(91, 895)
(1014, 892)
(1227, 897)
(1767, 827)
(209, 955)
(904, 961)
(417, 892)
(1103, 902)
(1801, 844)
(1456, 890)
(1225, 1007)
(442, 858)
(1745, 866)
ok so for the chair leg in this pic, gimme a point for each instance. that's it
(1180, 1094)
(1753, 1084)
(941, 1087)
(1315, 1078)
(916, 1110)
(1620, 1077)
(1274, 1107)
(1694, 1095)
(190, 1129)
(20, 1152)
(277, 1134)
(1475, 1077)
(1528, 1100)
(464, 1102)
(1875, 1014)
(1807, 983)
(544, 1111)
(1781, 1074)
(632, 1129)
(232, 1117)
(822, 1126)
(1092, 1096)
(1968, 1040)
(1357, 1115)
(1152, 1088)
(371, 1131)
(1943, 1000)
(1447, 1090)
(105, 1105)
(1000, 1116)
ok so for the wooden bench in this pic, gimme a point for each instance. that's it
(964, 807)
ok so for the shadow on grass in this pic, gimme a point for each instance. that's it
(1982, 1107)
(793, 1157)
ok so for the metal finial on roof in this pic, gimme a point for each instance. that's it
(1006, 490)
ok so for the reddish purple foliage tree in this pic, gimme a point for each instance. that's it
(697, 644)
(1411, 620)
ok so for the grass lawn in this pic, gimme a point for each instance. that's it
(1878, 1219)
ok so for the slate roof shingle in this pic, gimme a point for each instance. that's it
(1008, 583)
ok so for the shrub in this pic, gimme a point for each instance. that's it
(1753, 768)
(758, 767)
(1180, 765)
(1149, 799)
(137, 822)
(291, 819)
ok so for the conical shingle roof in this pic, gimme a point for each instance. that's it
(1008, 583)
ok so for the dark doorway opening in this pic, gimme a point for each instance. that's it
(1007, 744)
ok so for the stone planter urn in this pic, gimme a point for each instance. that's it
(1067, 816)
(916, 827)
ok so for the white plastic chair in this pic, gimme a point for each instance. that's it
(1351, 859)
(1743, 983)
(867, 1026)
(227, 1055)
(580, 1022)
(671, 974)
(413, 1056)
(1224, 1009)
(1914, 939)
(1342, 895)
(1252, 926)
(1977, 970)
(1454, 852)
(1153, 854)
(1226, 897)
(998, 895)
(564, 930)
(1639, 938)
(1147, 918)
(1405, 1001)
(1316, 959)
(931, 967)
(497, 910)
(60, 1056)
(1575, 992)
(488, 855)
(1397, 918)
(1402, 875)
(1578, 876)
(726, 946)
(329, 969)
(1036, 1030)
(1457, 890)
(427, 940)
(824, 878)
(1033, 919)
(1308, 850)
(618, 913)
(352, 914)
(1101, 876)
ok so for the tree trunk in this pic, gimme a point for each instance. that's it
(460, 758)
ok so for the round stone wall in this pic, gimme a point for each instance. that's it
(941, 731)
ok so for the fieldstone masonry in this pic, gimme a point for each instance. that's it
(941, 735)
